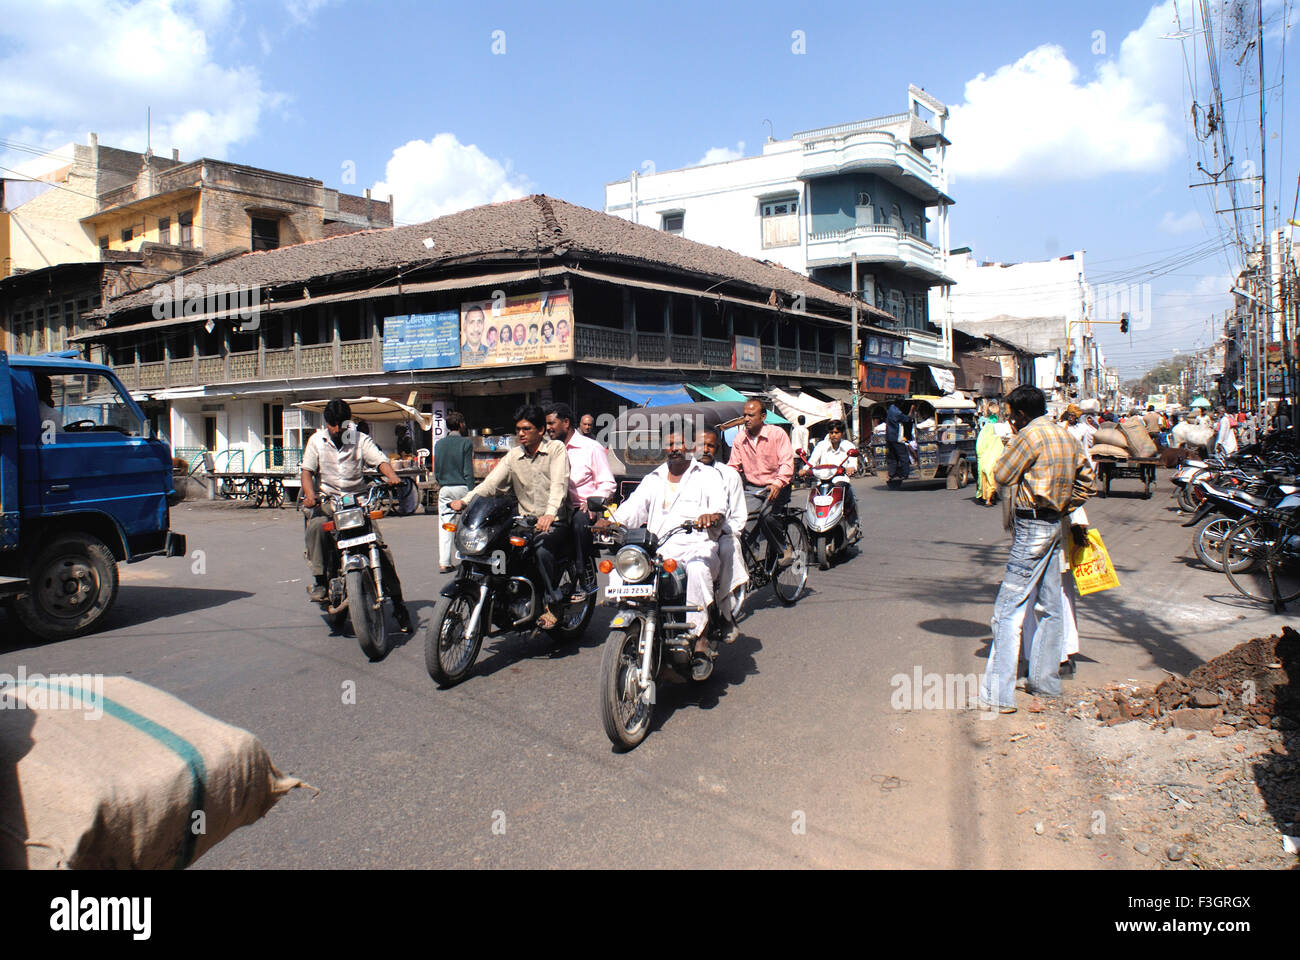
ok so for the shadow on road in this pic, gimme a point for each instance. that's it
(734, 665)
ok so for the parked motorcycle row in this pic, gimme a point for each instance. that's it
(496, 591)
(1245, 519)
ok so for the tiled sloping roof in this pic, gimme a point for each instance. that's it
(514, 229)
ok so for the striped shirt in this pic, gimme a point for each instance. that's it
(1047, 466)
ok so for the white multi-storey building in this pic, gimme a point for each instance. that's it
(812, 202)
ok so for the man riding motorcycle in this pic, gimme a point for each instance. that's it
(833, 451)
(678, 490)
(589, 476)
(732, 572)
(339, 453)
(537, 473)
(764, 457)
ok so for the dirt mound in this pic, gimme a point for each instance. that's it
(1250, 685)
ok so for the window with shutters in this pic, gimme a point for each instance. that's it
(781, 223)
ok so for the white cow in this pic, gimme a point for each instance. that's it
(1193, 435)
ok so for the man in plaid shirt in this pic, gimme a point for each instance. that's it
(1051, 476)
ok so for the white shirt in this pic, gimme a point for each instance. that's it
(799, 437)
(736, 513)
(824, 455)
(341, 469)
(653, 505)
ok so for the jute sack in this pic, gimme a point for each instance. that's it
(1106, 450)
(109, 773)
(1111, 436)
(1139, 441)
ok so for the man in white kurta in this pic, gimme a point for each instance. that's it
(732, 573)
(678, 490)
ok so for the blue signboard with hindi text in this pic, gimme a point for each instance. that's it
(422, 341)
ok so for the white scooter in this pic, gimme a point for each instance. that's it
(829, 530)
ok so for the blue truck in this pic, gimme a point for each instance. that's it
(83, 487)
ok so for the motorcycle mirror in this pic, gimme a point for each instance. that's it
(853, 453)
(596, 504)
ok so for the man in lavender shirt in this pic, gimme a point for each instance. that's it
(589, 476)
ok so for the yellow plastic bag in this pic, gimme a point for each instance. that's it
(1091, 566)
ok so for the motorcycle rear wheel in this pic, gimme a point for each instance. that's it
(624, 715)
(367, 617)
(573, 621)
(449, 654)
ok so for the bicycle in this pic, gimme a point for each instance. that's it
(787, 582)
(1261, 557)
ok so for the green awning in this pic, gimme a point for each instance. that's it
(721, 392)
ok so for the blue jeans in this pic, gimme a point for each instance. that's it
(1033, 557)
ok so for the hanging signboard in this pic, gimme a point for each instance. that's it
(746, 353)
(422, 341)
(878, 380)
(1274, 368)
(534, 328)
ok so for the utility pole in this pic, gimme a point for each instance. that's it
(1267, 305)
(853, 341)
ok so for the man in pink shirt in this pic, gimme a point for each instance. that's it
(589, 476)
(765, 459)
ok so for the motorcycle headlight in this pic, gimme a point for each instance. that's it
(349, 519)
(632, 564)
(471, 542)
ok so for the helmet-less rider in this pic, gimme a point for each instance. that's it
(537, 473)
(339, 453)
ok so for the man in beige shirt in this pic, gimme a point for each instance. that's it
(536, 472)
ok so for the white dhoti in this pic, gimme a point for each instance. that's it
(702, 566)
(732, 575)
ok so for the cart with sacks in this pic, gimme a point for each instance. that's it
(1125, 450)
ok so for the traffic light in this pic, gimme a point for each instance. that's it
(1123, 323)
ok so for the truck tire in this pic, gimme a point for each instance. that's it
(73, 586)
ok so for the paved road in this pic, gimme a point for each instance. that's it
(795, 728)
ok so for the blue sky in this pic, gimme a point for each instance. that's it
(1077, 138)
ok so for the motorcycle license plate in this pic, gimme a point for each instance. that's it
(823, 501)
(630, 590)
(357, 541)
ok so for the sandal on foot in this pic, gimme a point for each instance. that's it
(547, 620)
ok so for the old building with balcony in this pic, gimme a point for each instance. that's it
(529, 300)
(876, 190)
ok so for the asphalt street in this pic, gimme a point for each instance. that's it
(791, 755)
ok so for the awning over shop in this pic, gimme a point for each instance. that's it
(807, 406)
(717, 391)
(647, 394)
(842, 394)
(945, 380)
(377, 409)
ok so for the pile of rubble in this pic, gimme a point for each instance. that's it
(1249, 686)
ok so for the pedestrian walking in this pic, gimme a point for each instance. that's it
(1050, 476)
(453, 470)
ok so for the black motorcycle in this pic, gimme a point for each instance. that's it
(497, 590)
(356, 588)
(648, 633)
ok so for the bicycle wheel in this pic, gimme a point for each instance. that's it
(788, 584)
(1274, 561)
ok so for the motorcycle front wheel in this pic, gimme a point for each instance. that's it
(624, 714)
(367, 616)
(449, 654)
(1207, 540)
(823, 553)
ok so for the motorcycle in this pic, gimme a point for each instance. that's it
(495, 590)
(356, 588)
(1222, 506)
(824, 518)
(647, 632)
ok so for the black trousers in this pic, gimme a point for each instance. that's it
(899, 460)
(550, 548)
(582, 545)
(755, 497)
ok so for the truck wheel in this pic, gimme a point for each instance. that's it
(73, 586)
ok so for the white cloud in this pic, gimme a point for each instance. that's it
(1038, 119)
(721, 154)
(1189, 221)
(430, 178)
(304, 10)
(73, 66)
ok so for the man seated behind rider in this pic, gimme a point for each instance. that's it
(764, 457)
(678, 490)
(340, 453)
(536, 472)
(731, 567)
(589, 476)
(833, 451)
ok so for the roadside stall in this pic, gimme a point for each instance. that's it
(943, 438)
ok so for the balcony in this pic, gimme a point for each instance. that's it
(246, 366)
(878, 152)
(593, 344)
(880, 243)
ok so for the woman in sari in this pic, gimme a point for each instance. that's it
(988, 449)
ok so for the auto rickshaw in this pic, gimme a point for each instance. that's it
(944, 433)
